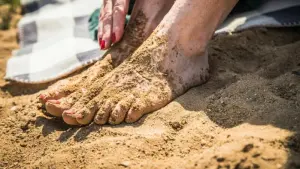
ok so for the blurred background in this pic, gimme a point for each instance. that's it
(9, 12)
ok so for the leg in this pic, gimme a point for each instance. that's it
(172, 60)
(145, 17)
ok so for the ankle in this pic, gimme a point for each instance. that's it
(191, 24)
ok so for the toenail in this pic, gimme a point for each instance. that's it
(54, 101)
(69, 112)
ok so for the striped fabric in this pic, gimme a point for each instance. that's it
(55, 40)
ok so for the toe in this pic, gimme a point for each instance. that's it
(55, 92)
(69, 117)
(42, 98)
(54, 107)
(103, 112)
(86, 115)
(119, 112)
(53, 95)
(85, 108)
(137, 110)
(57, 107)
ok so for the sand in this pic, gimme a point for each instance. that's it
(246, 116)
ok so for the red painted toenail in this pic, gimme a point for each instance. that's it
(113, 38)
(103, 44)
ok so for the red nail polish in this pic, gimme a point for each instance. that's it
(103, 44)
(113, 38)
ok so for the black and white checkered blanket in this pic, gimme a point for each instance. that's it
(55, 40)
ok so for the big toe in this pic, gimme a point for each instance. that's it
(57, 107)
(52, 95)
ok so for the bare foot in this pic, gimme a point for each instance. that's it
(62, 96)
(172, 60)
(153, 76)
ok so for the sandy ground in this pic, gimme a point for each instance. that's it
(246, 117)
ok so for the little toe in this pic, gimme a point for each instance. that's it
(118, 114)
(70, 118)
(103, 112)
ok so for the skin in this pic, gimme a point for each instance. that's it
(171, 61)
(113, 13)
(112, 20)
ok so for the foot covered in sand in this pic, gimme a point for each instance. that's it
(171, 61)
(63, 95)
(153, 76)
(165, 66)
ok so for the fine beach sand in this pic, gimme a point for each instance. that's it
(247, 116)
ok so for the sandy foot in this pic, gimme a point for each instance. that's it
(152, 77)
(56, 99)
(66, 92)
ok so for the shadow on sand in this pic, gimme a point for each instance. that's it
(253, 82)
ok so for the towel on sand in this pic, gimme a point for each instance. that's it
(56, 40)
